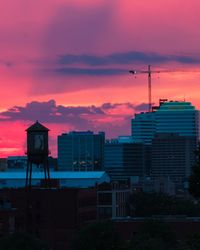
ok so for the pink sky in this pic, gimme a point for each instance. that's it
(65, 62)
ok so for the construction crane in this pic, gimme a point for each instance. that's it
(149, 72)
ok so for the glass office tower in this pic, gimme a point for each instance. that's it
(170, 117)
(81, 151)
(177, 117)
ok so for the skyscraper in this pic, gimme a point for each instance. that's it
(172, 156)
(177, 117)
(171, 131)
(81, 151)
(169, 117)
(143, 127)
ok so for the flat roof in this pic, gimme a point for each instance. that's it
(55, 175)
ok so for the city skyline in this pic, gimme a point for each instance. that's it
(66, 63)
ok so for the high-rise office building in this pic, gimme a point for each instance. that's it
(172, 156)
(143, 127)
(81, 151)
(171, 131)
(177, 117)
(169, 117)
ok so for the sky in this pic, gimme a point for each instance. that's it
(66, 63)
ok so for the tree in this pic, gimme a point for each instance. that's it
(149, 204)
(22, 241)
(193, 242)
(194, 180)
(98, 236)
(153, 235)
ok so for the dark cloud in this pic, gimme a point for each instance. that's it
(108, 105)
(142, 107)
(124, 58)
(90, 71)
(80, 118)
(51, 113)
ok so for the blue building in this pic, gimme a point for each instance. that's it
(143, 127)
(81, 151)
(124, 159)
(171, 132)
(170, 117)
(177, 117)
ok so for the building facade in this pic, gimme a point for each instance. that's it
(123, 160)
(177, 117)
(169, 117)
(81, 151)
(171, 132)
(143, 127)
(173, 156)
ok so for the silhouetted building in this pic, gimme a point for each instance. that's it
(123, 160)
(3, 164)
(112, 200)
(19, 163)
(173, 156)
(7, 218)
(54, 215)
(81, 151)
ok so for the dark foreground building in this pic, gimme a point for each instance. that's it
(53, 215)
(173, 156)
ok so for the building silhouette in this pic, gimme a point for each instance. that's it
(172, 156)
(123, 159)
(171, 133)
(81, 151)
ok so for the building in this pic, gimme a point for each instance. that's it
(169, 117)
(171, 133)
(177, 117)
(7, 218)
(81, 151)
(143, 127)
(112, 200)
(53, 215)
(60, 179)
(19, 163)
(173, 156)
(123, 160)
(3, 164)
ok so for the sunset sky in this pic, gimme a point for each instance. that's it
(66, 62)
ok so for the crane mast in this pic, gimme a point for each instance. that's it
(149, 73)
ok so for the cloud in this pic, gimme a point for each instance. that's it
(91, 71)
(125, 58)
(113, 118)
(142, 107)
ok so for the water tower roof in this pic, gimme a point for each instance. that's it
(37, 127)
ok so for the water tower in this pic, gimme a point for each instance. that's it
(37, 151)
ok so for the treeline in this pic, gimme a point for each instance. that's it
(152, 235)
(145, 205)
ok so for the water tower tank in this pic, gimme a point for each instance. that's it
(37, 143)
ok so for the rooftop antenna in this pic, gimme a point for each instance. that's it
(149, 72)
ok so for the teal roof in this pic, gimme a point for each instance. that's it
(176, 106)
(55, 175)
